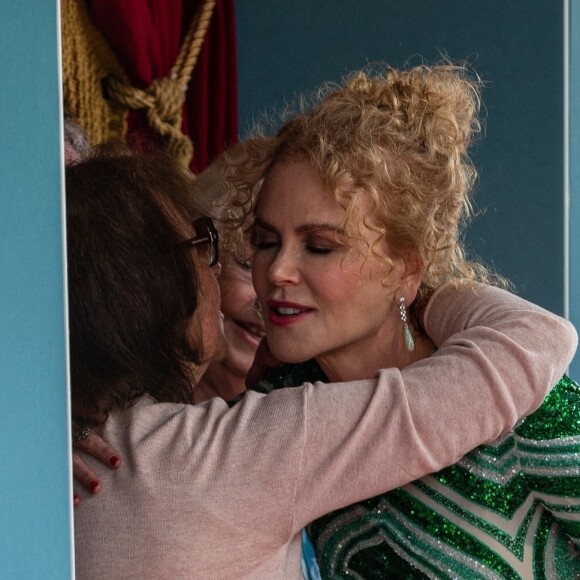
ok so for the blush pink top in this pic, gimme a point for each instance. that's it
(211, 492)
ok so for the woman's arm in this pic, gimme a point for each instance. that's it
(523, 341)
(498, 357)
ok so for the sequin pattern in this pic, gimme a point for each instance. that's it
(510, 510)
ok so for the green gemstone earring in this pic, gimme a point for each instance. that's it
(407, 336)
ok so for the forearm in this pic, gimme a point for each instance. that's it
(529, 347)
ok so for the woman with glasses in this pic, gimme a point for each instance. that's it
(243, 324)
(209, 491)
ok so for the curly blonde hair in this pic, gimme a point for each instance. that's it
(403, 137)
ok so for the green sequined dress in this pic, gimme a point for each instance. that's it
(510, 510)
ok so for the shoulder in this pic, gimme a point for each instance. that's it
(558, 416)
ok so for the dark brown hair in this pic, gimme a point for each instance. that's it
(131, 293)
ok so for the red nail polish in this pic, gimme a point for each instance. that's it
(93, 485)
(114, 460)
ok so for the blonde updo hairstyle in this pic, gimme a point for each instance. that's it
(402, 136)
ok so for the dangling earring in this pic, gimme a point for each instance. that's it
(407, 336)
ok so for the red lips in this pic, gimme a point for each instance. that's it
(282, 313)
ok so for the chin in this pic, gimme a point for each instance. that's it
(288, 355)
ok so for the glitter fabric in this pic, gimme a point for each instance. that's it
(510, 510)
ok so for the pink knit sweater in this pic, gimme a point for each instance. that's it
(211, 492)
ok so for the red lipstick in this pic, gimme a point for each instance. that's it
(282, 313)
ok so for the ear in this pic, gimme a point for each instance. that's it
(411, 277)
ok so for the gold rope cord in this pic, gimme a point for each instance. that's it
(89, 65)
(163, 100)
(86, 61)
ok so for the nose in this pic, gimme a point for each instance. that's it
(284, 270)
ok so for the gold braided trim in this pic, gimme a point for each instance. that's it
(87, 60)
(163, 100)
(192, 43)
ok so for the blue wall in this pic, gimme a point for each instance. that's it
(575, 173)
(517, 48)
(34, 441)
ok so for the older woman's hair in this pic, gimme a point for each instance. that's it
(214, 187)
(131, 292)
(403, 136)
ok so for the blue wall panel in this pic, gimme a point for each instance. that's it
(34, 485)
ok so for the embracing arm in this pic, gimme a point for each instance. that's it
(527, 348)
(498, 357)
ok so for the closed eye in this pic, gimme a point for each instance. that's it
(323, 242)
(260, 240)
(316, 239)
(319, 249)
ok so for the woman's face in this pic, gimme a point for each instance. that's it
(319, 295)
(243, 325)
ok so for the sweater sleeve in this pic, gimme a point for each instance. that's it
(498, 357)
(532, 343)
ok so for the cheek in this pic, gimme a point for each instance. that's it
(259, 275)
(337, 294)
(237, 296)
(349, 285)
(209, 296)
(336, 281)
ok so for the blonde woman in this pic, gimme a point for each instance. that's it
(358, 207)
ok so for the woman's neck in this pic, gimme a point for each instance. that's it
(363, 361)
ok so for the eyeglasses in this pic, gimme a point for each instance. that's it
(206, 240)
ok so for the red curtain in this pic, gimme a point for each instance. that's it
(146, 37)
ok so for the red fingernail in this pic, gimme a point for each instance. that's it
(93, 485)
(114, 460)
